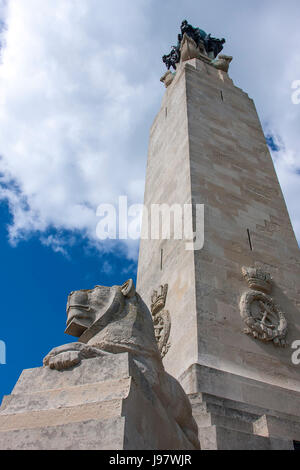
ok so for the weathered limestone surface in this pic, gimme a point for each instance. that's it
(103, 403)
(168, 180)
(240, 405)
(207, 147)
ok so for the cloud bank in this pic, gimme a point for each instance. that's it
(79, 88)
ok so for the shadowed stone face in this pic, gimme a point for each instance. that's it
(84, 307)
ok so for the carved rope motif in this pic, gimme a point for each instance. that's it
(161, 319)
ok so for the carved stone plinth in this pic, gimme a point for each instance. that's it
(103, 403)
(189, 50)
(238, 413)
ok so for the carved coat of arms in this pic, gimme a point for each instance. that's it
(263, 318)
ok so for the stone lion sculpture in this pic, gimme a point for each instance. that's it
(112, 320)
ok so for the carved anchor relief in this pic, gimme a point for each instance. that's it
(161, 319)
(264, 319)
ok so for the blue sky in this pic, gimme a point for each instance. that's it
(79, 88)
(35, 284)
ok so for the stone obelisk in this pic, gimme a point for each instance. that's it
(233, 305)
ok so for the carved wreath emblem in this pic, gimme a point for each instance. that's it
(263, 318)
(161, 319)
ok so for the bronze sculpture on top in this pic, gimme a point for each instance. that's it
(205, 42)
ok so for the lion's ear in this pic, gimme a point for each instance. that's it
(128, 289)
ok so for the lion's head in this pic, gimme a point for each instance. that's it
(114, 319)
(86, 306)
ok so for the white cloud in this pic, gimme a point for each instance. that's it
(106, 268)
(79, 87)
(67, 113)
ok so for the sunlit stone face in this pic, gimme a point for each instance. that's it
(84, 307)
